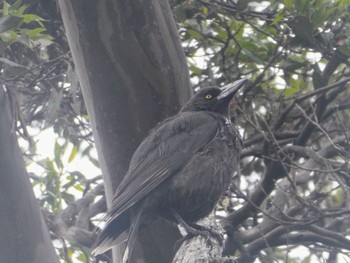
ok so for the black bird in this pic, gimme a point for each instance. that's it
(180, 170)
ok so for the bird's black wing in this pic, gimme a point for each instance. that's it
(165, 151)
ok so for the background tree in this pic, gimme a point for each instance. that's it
(292, 188)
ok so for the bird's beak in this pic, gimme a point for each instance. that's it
(230, 89)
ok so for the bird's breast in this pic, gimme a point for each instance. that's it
(196, 189)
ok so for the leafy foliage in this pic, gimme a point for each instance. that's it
(296, 136)
(293, 185)
(37, 72)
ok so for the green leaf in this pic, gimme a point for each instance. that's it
(12, 34)
(278, 18)
(49, 165)
(195, 34)
(301, 6)
(70, 253)
(318, 17)
(5, 10)
(73, 154)
(252, 56)
(205, 10)
(58, 154)
(45, 37)
(57, 149)
(288, 3)
(241, 5)
(222, 34)
(31, 33)
(82, 257)
(302, 28)
(19, 11)
(290, 64)
(9, 23)
(28, 18)
(79, 187)
(195, 70)
(16, 5)
(293, 89)
(344, 50)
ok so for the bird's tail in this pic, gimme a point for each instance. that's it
(112, 234)
(134, 228)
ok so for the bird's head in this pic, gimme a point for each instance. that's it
(214, 99)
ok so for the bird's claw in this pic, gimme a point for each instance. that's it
(219, 237)
(204, 232)
(207, 233)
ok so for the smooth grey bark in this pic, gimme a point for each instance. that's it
(24, 236)
(133, 74)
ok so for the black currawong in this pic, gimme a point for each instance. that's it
(179, 172)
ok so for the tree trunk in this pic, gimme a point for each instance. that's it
(24, 236)
(133, 74)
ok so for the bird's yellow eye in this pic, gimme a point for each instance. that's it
(208, 97)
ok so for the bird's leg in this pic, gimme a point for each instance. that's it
(193, 229)
(206, 231)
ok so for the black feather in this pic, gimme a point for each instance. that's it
(184, 165)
